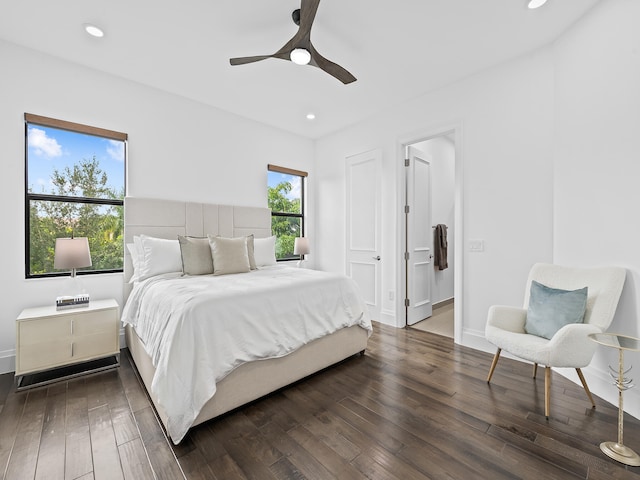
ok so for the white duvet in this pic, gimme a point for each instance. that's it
(197, 329)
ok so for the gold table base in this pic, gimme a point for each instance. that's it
(620, 453)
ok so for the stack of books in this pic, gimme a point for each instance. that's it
(72, 301)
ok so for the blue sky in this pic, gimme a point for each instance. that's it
(296, 182)
(51, 148)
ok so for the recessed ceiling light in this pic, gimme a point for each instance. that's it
(535, 3)
(311, 116)
(93, 30)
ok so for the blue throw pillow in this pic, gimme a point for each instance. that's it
(550, 309)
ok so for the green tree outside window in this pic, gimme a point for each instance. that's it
(286, 194)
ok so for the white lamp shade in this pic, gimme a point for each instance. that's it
(72, 253)
(301, 246)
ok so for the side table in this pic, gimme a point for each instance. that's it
(617, 450)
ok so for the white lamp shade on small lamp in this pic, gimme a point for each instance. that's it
(301, 247)
(72, 253)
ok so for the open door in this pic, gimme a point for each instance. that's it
(419, 236)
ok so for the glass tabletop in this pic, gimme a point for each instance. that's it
(615, 340)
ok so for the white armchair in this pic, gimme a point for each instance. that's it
(570, 346)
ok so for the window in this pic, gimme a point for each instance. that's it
(74, 186)
(286, 201)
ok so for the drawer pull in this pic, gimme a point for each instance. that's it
(72, 344)
(72, 327)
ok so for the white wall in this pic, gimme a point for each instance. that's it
(597, 164)
(178, 149)
(506, 118)
(441, 152)
(550, 152)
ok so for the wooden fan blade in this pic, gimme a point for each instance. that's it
(244, 60)
(330, 67)
(308, 9)
(302, 38)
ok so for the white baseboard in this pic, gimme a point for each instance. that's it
(8, 361)
(388, 317)
(475, 339)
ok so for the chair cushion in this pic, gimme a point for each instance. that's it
(550, 309)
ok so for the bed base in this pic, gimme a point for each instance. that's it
(253, 380)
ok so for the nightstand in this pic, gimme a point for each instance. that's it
(54, 344)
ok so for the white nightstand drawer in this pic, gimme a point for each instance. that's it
(44, 330)
(96, 345)
(34, 357)
(96, 322)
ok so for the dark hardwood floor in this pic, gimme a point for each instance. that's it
(415, 406)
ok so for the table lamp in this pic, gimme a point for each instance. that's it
(301, 247)
(72, 253)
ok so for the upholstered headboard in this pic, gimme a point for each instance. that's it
(170, 218)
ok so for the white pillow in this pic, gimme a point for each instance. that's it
(135, 259)
(229, 255)
(264, 251)
(158, 255)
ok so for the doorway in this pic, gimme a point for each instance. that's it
(430, 232)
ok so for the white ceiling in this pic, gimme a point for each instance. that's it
(397, 49)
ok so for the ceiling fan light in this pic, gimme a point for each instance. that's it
(535, 3)
(300, 56)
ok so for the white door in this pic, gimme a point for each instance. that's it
(419, 237)
(364, 226)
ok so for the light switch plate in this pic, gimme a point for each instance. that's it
(476, 245)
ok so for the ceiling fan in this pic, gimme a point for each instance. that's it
(299, 49)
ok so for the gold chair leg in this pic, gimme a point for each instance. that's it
(493, 364)
(586, 388)
(535, 370)
(547, 391)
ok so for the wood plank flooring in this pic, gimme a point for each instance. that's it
(415, 406)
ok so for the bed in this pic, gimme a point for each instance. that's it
(216, 382)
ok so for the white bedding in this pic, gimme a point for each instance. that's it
(198, 329)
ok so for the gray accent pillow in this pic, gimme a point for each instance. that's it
(550, 309)
(196, 255)
(230, 255)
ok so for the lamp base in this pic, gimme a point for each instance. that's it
(620, 453)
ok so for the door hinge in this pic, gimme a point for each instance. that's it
(407, 302)
(406, 162)
(406, 255)
(406, 209)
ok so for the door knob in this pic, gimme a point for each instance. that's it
(376, 258)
